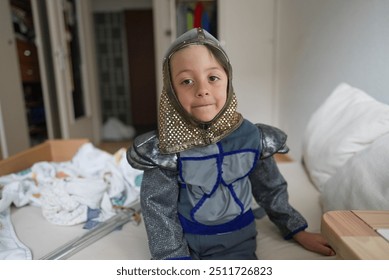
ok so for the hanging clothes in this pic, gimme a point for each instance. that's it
(198, 12)
(189, 18)
(205, 23)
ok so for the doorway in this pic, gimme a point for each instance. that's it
(141, 68)
(126, 69)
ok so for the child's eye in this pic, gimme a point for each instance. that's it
(187, 82)
(213, 78)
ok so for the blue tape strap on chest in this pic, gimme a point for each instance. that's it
(236, 224)
(216, 171)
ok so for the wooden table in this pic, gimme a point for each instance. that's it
(353, 234)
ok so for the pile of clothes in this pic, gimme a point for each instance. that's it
(87, 189)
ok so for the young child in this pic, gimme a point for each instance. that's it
(206, 162)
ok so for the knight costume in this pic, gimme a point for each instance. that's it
(200, 177)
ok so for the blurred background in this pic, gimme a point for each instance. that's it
(92, 68)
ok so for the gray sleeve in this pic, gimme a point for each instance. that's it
(270, 191)
(159, 195)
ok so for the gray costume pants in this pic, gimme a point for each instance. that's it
(236, 245)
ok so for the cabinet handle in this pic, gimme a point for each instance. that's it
(30, 72)
(27, 53)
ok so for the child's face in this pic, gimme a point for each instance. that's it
(199, 81)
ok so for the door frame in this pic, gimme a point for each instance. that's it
(87, 126)
(14, 135)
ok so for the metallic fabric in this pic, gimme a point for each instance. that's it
(269, 189)
(273, 141)
(145, 154)
(178, 130)
(159, 193)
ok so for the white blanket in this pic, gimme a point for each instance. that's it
(66, 192)
(93, 179)
(10, 246)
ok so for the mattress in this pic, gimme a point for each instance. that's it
(130, 242)
(306, 199)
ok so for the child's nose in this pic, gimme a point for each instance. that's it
(202, 90)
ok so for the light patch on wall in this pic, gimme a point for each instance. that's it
(3, 141)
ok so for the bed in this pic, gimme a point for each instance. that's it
(42, 237)
(130, 242)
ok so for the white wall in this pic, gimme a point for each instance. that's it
(163, 24)
(246, 29)
(321, 44)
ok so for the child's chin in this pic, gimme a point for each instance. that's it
(205, 119)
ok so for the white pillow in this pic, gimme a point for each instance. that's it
(362, 183)
(347, 122)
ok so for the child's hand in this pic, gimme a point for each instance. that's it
(314, 242)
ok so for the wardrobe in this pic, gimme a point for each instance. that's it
(49, 78)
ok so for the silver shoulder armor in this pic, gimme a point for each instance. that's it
(145, 154)
(273, 140)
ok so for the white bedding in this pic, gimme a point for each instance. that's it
(346, 151)
(42, 237)
(130, 242)
(362, 183)
(306, 199)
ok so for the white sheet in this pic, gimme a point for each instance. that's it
(131, 242)
(10, 246)
(306, 199)
(363, 182)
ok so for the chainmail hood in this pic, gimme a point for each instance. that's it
(178, 130)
